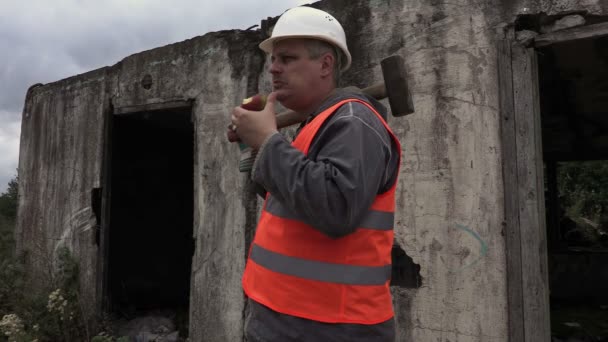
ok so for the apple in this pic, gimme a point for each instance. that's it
(256, 102)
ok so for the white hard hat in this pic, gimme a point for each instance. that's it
(308, 22)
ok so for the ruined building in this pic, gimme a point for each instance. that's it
(129, 166)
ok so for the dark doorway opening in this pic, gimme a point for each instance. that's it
(573, 84)
(151, 214)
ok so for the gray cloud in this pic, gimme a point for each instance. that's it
(9, 149)
(44, 41)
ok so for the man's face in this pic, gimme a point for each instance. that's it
(295, 77)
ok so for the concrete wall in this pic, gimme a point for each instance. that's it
(450, 197)
(553, 7)
(60, 164)
(450, 191)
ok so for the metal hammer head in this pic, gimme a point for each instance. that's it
(397, 89)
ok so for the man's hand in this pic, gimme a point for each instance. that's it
(254, 127)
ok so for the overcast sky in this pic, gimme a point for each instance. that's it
(42, 41)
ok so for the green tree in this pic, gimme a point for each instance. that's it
(8, 215)
(9, 270)
(10, 199)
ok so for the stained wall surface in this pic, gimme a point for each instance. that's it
(62, 149)
(59, 166)
(449, 200)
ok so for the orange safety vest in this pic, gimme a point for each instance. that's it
(297, 270)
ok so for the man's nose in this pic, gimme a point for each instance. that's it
(275, 67)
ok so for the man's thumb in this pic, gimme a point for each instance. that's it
(270, 101)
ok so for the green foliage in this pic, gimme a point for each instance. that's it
(9, 200)
(13, 329)
(583, 188)
(68, 273)
(11, 270)
(64, 302)
(583, 192)
(52, 314)
(12, 276)
(8, 216)
(7, 242)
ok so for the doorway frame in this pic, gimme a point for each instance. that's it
(524, 203)
(110, 112)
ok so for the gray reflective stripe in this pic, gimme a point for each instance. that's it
(379, 220)
(321, 271)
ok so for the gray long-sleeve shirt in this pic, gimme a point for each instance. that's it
(351, 159)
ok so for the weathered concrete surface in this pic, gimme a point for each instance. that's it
(511, 8)
(216, 71)
(225, 211)
(450, 190)
(450, 197)
(60, 164)
(61, 160)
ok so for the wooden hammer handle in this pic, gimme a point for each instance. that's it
(289, 117)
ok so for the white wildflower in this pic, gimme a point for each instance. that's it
(57, 303)
(11, 325)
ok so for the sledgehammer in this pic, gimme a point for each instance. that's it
(395, 87)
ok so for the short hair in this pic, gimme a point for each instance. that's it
(317, 47)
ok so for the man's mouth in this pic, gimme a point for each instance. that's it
(277, 84)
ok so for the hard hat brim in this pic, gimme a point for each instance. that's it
(267, 44)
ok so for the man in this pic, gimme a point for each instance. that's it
(319, 266)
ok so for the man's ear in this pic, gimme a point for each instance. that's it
(327, 64)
